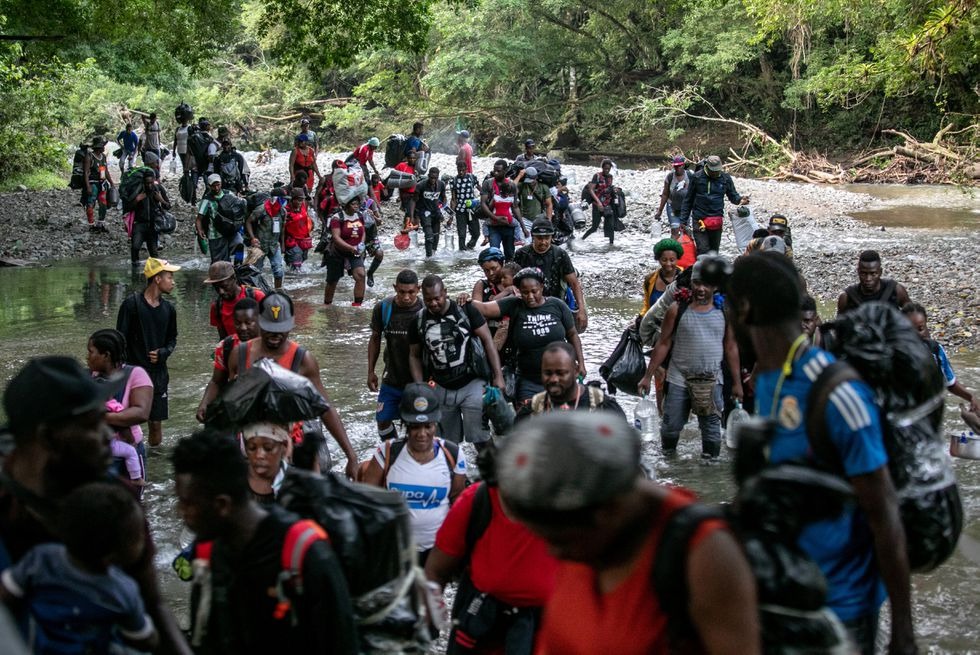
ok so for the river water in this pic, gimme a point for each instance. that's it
(55, 309)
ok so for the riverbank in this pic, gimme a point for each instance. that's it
(936, 264)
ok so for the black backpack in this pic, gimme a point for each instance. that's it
(395, 150)
(77, 181)
(230, 214)
(131, 184)
(477, 364)
(773, 507)
(875, 343)
(370, 531)
(183, 112)
(197, 145)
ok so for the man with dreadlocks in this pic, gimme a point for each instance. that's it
(697, 337)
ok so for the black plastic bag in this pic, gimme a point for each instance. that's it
(165, 222)
(626, 366)
(266, 392)
(881, 345)
(186, 187)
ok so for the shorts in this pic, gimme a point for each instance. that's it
(160, 410)
(338, 264)
(388, 399)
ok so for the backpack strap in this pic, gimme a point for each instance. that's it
(670, 571)
(387, 308)
(298, 356)
(393, 448)
(596, 396)
(450, 451)
(480, 514)
(227, 345)
(127, 371)
(835, 374)
(242, 357)
(300, 537)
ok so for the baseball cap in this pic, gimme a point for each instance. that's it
(567, 461)
(778, 221)
(304, 120)
(419, 404)
(529, 142)
(265, 429)
(678, 161)
(219, 272)
(276, 314)
(53, 388)
(713, 163)
(542, 227)
(212, 178)
(773, 243)
(530, 173)
(464, 133)
(156, 266)
(374, 142)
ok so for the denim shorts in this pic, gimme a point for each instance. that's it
(388, 399)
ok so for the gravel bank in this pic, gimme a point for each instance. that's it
(937, 266)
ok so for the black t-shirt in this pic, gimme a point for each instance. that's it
(393, 322)
(555, 264)
(445, 342)
(147, 328)
(427, 199)
(243, 600)
(531, 330)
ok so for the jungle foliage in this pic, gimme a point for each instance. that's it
(816, 75)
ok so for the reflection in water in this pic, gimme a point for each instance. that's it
(54, 310)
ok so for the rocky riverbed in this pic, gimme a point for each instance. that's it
(938, 266)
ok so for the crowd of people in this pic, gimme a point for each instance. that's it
(554, 535)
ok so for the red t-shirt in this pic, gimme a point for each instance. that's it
(404, 167)
(508, 561)
(226, 323)
(466, 154)
(219, 351)
(351, 231)
(579, 620)
(362, 154)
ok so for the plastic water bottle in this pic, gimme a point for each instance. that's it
(643, 417)
(731, 430)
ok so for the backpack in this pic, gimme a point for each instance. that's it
(773, 508)
(370, 531)
(197, 145)
(876, 344)
(229, 214)
(186, 187)
(131, 185)
(477, 364)
(229, 169)
(394, 150)
(77, 181)
(394, 447)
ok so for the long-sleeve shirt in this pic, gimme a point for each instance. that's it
(706, 196)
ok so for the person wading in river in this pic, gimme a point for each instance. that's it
(275, 323)
(871, 286)
(704, 205)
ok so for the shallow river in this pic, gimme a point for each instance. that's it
(54, 310)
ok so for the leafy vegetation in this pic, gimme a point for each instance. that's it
(812, 74)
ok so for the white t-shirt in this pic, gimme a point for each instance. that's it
(425, 488)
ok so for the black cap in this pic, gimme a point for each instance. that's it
(54, 388)
(542, 227)
(419, 404)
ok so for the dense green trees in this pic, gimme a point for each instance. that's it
(582, 70)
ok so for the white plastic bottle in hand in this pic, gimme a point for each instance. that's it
(643, 416)
(737, 416)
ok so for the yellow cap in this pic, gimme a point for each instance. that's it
(156, 266)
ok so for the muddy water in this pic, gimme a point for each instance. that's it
(53, 310)
(925, 206)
